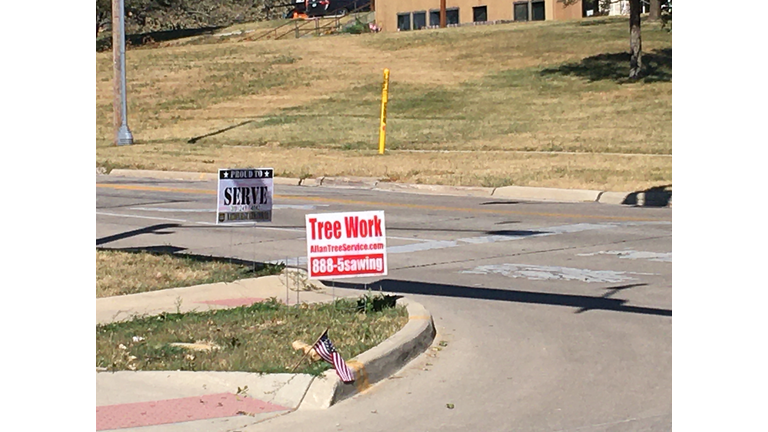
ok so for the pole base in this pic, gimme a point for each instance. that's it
(124, 136)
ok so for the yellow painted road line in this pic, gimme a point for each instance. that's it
(385, 204)
(156, 188)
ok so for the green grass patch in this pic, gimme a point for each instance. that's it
(130, 272)
(254, 338)
(510, 109)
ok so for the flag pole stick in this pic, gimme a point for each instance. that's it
(307, 352)
(287, 286)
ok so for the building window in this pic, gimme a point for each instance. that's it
(537, 11)
(480, 13)
(434, 17)
(452, 16)
(529, 10)
(588, 8)
(521, 11)
(404, 21)
(419, 20)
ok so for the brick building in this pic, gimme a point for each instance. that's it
(405, 15)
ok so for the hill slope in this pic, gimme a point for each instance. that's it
(310, 107)
(145, 16)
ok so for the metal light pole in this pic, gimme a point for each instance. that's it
(123, 135)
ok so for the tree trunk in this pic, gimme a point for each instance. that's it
(635, 42)
(443, 18)
(654, 12)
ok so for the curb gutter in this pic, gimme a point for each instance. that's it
(377, 363)
(639, 198)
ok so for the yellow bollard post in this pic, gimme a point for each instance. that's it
(383, 122)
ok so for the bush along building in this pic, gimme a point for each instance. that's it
(406, 15)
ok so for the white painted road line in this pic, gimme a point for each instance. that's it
(274, 207)
(141, 217)
(543, 232)
(171, 210)
(198, 222)
(418, 247)
(536, 272)
(633, 254)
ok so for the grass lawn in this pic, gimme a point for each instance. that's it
(255, 338)
(499, 97)
(121, 272)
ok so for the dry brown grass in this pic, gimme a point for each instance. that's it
(310, 107)
(493, 169)
(119, 272)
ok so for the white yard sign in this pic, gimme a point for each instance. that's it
(341, 245)
(244, 195)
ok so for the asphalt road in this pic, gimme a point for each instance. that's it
(552, 316)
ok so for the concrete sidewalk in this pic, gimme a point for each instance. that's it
(191, 401)
(176, 401)
(181, 401)
(207, 297)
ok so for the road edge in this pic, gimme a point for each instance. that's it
(657, 197)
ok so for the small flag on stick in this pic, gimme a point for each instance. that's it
(325, 349)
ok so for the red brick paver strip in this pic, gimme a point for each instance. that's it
(246, 301)
(179, 410)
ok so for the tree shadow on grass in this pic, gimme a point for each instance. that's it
(596, 22)
(104, 42)
(657, 67)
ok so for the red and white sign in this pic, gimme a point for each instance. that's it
(341, 245)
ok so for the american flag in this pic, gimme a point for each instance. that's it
(325, 349)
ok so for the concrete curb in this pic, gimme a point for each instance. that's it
(659, 198)
(165, 175)
(547, 194)
(188, 176)
(377, 363)
(349, 182)
(612, 197)
(435, 189)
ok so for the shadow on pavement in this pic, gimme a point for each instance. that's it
(153, 229)
(499, 202)
(657, 196)
(146, 203)
(581, 302)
